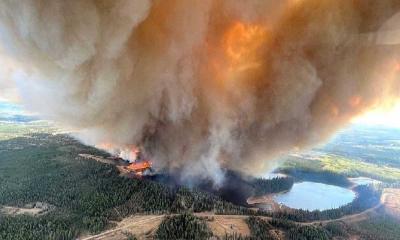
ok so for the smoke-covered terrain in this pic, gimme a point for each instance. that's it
(201, 85)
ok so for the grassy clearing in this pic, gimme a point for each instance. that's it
(9, 130)
(345, 166)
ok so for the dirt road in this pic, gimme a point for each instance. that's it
(138, 225)
(143, 226)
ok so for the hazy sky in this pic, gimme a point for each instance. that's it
(389, 117)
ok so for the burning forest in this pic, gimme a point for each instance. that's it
(201, 86)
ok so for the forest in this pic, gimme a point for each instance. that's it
(183, 226)
(313, 175)
(261, 230)
(274, 185)
(87, 196)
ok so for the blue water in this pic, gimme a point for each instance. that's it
(315, 196)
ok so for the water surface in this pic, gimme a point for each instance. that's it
(315, 196)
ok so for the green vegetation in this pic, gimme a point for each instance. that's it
(130, 236)
(274, 185)
(344, 166)
(259, 228)
(321, 176)
(378, 227)
(235, 236)
(337, 229)
(184, 226)
(85, 194)
(378, 145)
(38, 165)
(307, 233)
(46, 168)
(13, 130)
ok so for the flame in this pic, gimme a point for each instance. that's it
(140, 166)
(241, 43)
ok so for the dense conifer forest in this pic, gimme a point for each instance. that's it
(84, 196)
(183, 226)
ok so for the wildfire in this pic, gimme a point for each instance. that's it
(138, 164)
(241, 44)
(128, 152)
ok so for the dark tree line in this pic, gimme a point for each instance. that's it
(321, 176)
(261, 230)
(86, 195)
(274, 185)
(183, 226)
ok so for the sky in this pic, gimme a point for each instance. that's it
(389, 117)
(10, 112)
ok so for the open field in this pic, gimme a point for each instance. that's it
(343, 166)
(13, 130)
(97, 158)
(391, 201)
(34, 209)
(144, 226)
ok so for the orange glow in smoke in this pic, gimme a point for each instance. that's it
(355, 101)
(397, 67)
(335, 111)
(241, 44)
(128, 151)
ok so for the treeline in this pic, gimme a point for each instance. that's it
(367, 197)
(52, 226)
(183, 226)
(86, 194)
(378, 227)
(259, 229)
(264, 230)
(154, 198)
(321, 176)
(265, 186)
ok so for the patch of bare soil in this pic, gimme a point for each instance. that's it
(391, 200)
(33, 209)
(265, 202)
(221, 225)
(98, 159)
(141, 226)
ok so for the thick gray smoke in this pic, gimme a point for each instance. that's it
(201, 85)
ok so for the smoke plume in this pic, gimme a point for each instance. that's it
(201, 85)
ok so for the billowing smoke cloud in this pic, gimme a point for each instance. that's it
(202, 85)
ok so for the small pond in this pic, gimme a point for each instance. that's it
(315, 196)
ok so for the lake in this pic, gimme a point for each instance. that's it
(315, 196)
